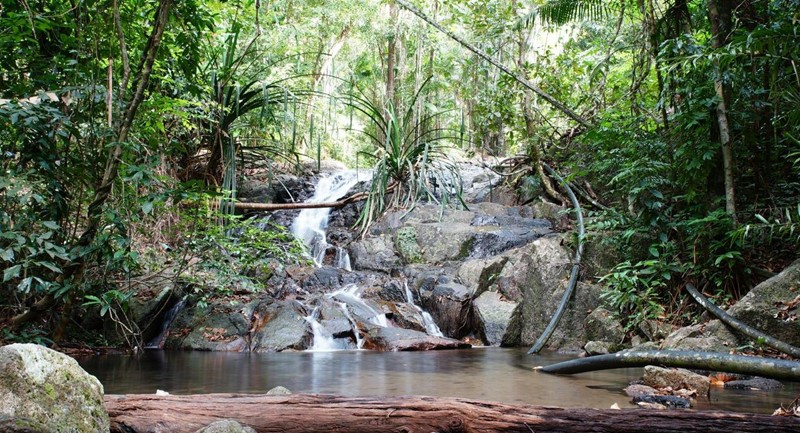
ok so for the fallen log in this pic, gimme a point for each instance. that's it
(724, 362)
(310, 413)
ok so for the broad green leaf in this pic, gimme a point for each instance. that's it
(7, 255)
(12, 272)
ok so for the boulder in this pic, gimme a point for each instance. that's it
(50, 390)
(707, 337)
(375, 253)
(755, 383)
(218, 327)
(225, 426)
(676, 378)
(493, 315)
(450, 305)
(599, 348)
(283, 327)
(773, 306)
(398, 339)
(536, 276)
(601, 325)
(21, 425)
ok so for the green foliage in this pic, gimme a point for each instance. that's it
(241, 254)
(411, 162)
(636, 292)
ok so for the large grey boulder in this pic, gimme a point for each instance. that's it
(536, 275)
(494, 314)
(713, 336)
(50, 389)
(284, 328)
(773, 306)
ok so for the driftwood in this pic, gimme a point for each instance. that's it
(327, 413)
(754, 365)
(741, 326)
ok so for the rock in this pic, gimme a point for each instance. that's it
(599, 348)
(50, 390)
(676, 378)
(709, 337)
(21, 425)
(772, 306)
(405, 243)
(636, 390)
(756, 383)
(480, 274)
(601, 325)
(537, 273)
(284, 328)
(279, 390)
(225, 426)
(493, 314)
(218, 327)
(655, 330)
(398, 339)
(374, 253)
(664, 401)
(450, 305)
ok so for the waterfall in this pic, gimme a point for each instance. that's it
(349, 295)
(323, 340)
(354, 324)
(158, 341)
(430, 326)
(310, 224)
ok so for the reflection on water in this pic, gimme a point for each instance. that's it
(503, 375)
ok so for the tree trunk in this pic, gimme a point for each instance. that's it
(73, 272)
(713, 361)
(719, 14)
(329, 413)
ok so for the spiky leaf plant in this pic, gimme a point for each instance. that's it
(412, 164)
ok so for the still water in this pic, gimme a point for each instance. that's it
(494, 374)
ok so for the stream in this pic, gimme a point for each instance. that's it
(491, 374)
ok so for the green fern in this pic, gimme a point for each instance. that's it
(560, 12)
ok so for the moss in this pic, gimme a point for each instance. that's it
(50, 391)
(407, 246)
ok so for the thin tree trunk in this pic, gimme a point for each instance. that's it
(391, 54)
(73, 272)
(719, 14)
(330, 413)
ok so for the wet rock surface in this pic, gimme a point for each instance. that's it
(494, 272)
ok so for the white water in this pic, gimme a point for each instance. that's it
(310, 224)
(430, 326)
(323, 340)
(354, 324)
(350, 295)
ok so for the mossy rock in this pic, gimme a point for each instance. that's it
(50, 391)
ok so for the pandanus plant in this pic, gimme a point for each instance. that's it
(412, 164)
(232, 98)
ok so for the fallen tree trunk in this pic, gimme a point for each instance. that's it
(753, 365)
(327, 413)
(741, 326)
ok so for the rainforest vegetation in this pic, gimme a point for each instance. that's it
(126, 126)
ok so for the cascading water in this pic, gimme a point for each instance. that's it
(349, 295)
(169, 317)
(310, 224)
(430, 326)
(323, 340)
